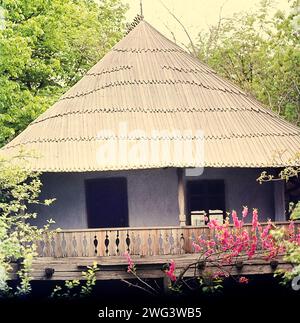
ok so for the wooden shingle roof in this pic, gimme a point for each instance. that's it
(148, 91)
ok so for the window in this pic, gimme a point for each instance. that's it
(205, 195)
(106, 202)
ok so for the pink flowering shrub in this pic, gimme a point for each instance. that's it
(229, 242)
(232, 243)
(170, 272)
(131, 267)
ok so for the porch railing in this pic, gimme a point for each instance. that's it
(146, 241)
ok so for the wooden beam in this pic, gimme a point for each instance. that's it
(181, 196)
(111, 268)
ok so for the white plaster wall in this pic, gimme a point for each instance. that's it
(152, 195)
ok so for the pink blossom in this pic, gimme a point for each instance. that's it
(237, 223)
(243, 280)
(253, 246)
(131, 266)
(228, 243)
(225, 239)
(291, 231)
(196, 247)
(213, 224)
(266, 230)
(245, 211)
(209, 252)
(245, 236)
(171, 270)
(273, 250)
(202, 241)
(255, 223)
(211, 244)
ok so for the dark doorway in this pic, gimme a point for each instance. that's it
(205, 195)
(106, 202)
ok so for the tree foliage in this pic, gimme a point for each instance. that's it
(19, 189)
(261, 54)
(45, 47)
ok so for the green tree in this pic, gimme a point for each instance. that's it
(261, 54)
(45, 47)
(19, 189)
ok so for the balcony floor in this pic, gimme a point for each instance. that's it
(147, 267)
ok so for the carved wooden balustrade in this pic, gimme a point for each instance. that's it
(115, 242)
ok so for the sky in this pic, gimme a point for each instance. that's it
(196, 15)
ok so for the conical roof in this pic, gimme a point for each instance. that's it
(145, 101)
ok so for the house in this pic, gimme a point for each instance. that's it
(147, 139)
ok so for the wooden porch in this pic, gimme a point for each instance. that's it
(112, 242)
(144, 241)
(68, 252)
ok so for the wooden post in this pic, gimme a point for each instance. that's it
(279, 201)
(181, 197)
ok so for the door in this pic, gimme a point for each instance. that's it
(106, 202)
